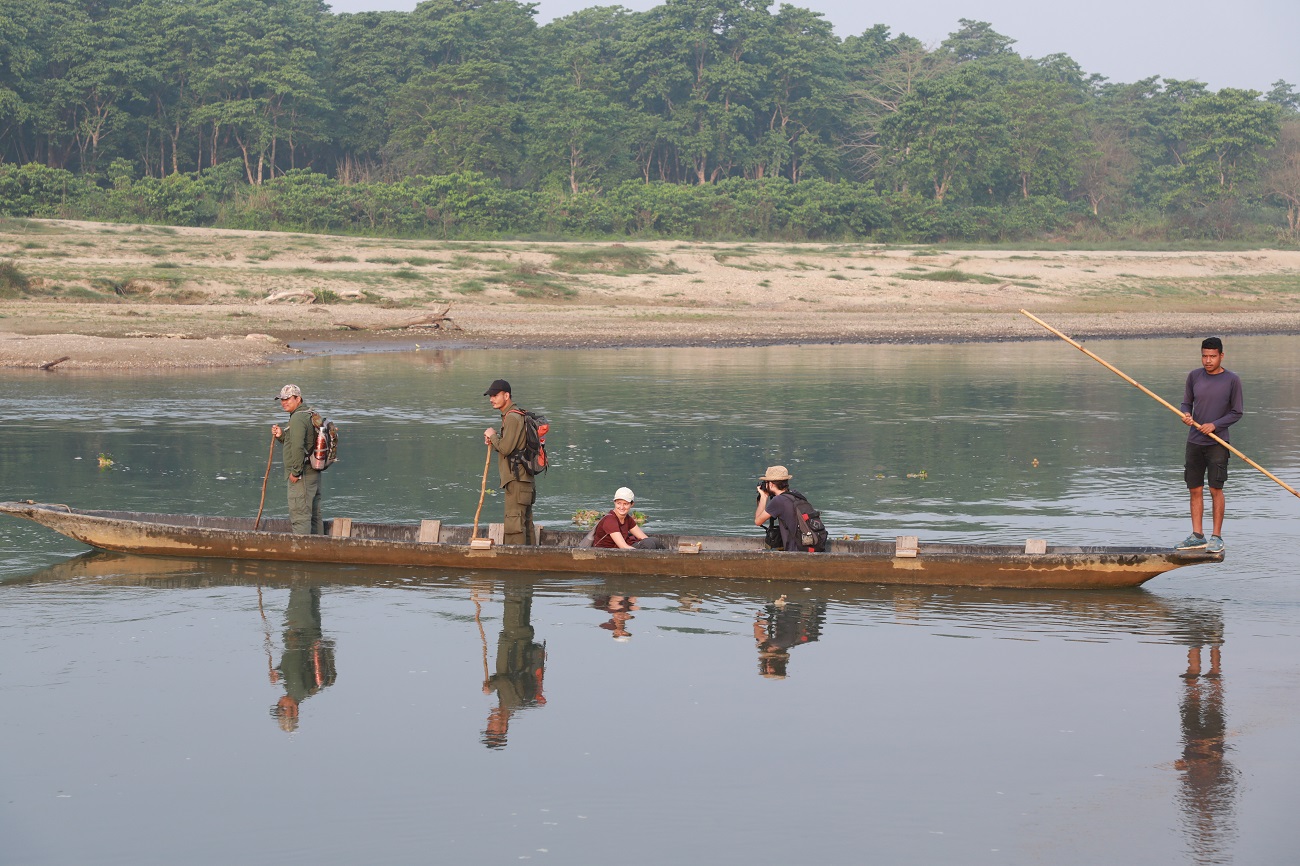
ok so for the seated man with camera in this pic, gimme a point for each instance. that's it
(781, 506)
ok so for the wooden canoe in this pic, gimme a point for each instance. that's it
(928, 564)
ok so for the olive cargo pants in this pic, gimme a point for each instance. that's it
(520, 496)
(304, 503)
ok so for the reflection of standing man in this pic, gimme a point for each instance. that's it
(1212, 400)
(781, 626)
(521, 667)
(303, 481)
(307, 664)
(1208, 782)
(518, 485)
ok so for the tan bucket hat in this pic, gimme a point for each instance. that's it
(776, 473)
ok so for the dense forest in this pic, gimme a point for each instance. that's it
(697, 118)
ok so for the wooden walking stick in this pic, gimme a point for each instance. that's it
(269, 457)
(474, 541)
(1171, 407)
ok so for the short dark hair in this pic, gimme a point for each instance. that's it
(780, 485)
(1212, 343)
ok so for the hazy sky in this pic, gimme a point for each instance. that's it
(1247, 44)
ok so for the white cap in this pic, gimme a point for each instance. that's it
(625, 493)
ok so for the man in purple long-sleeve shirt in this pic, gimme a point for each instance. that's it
(1212, 401)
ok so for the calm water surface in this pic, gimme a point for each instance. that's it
(157, 711)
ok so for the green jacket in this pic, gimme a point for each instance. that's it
(297, 442)
(507, 442)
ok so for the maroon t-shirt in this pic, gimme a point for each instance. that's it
(609, 524)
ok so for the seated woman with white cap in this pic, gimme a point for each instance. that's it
(618, 528)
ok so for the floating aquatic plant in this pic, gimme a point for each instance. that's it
(587, 517)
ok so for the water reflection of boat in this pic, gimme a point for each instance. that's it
(933, 564)
(1032, 613)
(1208, 783)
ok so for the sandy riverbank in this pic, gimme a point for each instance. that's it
(138, 297)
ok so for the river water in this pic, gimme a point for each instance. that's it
(156, 711)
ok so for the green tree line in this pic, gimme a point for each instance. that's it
(695, 118)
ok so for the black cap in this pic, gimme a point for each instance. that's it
(1213, 343)
(497, 387)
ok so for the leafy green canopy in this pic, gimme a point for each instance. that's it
(465, 115)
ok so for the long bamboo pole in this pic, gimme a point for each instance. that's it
(1162, 401)
(487, 461)
(269, 457)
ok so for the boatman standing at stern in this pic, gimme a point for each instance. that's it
(517, 483)
(303, 481)
(1212, 401)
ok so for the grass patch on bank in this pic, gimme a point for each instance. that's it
(616, 260)
(1228, 293)
(951, 276)
(728, 259)
(528, 281)
(13, 282)
(183, 297)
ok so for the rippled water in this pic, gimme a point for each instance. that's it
(156, 710)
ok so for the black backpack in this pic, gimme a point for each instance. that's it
(532, 454)
(812, 532)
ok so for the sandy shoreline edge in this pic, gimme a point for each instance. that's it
(163, 352)
(116, 297)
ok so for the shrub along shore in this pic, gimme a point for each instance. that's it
(472, 206)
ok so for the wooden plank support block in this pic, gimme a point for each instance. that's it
(497, 532)
(341, 527)
(905, 546)
(689, 546)
(1036, 545)
(429, 531)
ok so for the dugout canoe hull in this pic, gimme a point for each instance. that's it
(935, 564)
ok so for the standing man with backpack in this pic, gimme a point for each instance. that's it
(517, 482)
(303, 481)
(785, 507)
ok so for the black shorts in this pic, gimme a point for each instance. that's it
(1199, 459)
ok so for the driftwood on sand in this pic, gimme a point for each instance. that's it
(438, 319)
(292, 296)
